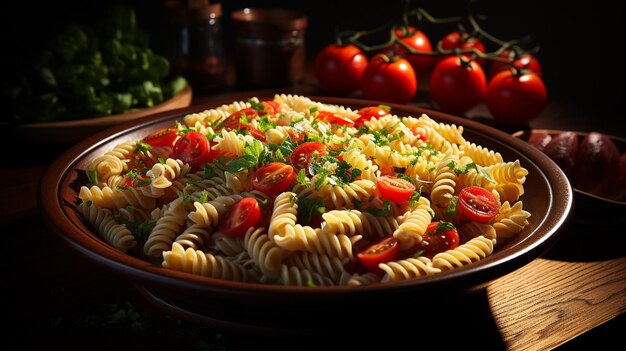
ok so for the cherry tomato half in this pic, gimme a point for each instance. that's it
(516, 99)
(389, 79)
(339, 69)
(385, 250)
(233, 122)
(369, 112)
(416, 40)
(162, 137)
(192, 148)
(244, 214)
(273, 178)
(304, 153)
(334, 119)
(457, 86)
(394, 188)
(270, 108)
(463, 42)
(439, 237)
(477, 204)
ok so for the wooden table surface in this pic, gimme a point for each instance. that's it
(570, 298)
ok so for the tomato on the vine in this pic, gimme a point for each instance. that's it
(416, 40)
(243, 215)
(464, 41)
(273, 178)
(516, 98)
(389, 79)
(302, 155)
(523, 61)
(394, 188)
(457, 85)
(439, 237)
(476, 204)
(162, 137)
(339, 69)
(383, 251)
(192, 148)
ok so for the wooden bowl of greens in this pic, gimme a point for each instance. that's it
(89, 77)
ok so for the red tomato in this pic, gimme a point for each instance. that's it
(383, 251)
(477, 204)
(162, 137)
(138, 181)
(244, 215)
(389, 79)
(304, 153)
(271, 108)
(394, 189)
(516, 99)
(525, 61)
(416, 40)
(463, 42)
(333, 118)
(457, 86)
(192, 148)
(273, 178)
(233, 122)
(339, 69)
(369, 112)
(434, 242)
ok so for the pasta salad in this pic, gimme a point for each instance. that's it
(294, 191)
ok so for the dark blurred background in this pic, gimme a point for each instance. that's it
(581, 46)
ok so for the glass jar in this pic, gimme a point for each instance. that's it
(196, 44)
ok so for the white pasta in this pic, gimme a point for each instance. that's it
(257, 205)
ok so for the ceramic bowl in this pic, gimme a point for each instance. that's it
(271, 309)
(589, 207)
(72, 131)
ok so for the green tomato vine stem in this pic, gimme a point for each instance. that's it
(416, 18)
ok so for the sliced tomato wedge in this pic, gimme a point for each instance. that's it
(192, 148)
(439, 237)
(395, 189)
(244, 215)
(302, 155)
(477, 204)
(162, 137)
(383, 251)
(334, 119)
(273, 178)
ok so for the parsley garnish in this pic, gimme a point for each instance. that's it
(142, 148)
(452, 206)
(93, 176)
(253, 153)
(265, 124)
(464, 169)
(309, 208)
(381, 211)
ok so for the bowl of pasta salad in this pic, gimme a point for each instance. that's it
(287, 203)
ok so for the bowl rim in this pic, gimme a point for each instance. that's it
(144, 272)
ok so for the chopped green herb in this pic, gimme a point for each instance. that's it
(381, 211)
(93, 176)
(142, 148)
(265, 124)
(301, 177)
(418, 254)
(204, 196)
(308, 209)
(452, 206)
